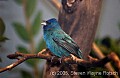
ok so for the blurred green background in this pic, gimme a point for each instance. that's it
(22, 32)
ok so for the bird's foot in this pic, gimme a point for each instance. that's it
(52, 58)
(73, 57)
(60, 59)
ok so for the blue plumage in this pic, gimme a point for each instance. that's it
(57, 41)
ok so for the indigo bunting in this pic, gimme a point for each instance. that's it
(57, 41)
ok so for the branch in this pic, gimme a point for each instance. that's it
(56, 3)
(23, 57)
(46, 54)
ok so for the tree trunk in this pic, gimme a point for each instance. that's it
(79, 19)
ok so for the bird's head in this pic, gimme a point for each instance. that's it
(51, 24)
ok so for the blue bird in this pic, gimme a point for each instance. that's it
(57, 41)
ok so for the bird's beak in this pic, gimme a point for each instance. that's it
(44, 23)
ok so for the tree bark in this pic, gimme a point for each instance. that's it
(79, 19)
(81, 24)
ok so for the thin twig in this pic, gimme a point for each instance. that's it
(100, 55)
(11, 66)
(116, 61)
(46, 54)
(56, 3)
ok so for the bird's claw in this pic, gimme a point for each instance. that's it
(73, 57)
(60, 59)
(52, 58)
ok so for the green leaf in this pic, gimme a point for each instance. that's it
(36, 24)
(31, 62)
(22, 49)
(30, 7)
(41, 45)
(2, 27)
(3, 39)
(26, 74)
(18, 1)
(21, 31)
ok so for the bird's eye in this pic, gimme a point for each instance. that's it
(48, 22)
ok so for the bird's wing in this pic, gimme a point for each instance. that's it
(68, 44)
